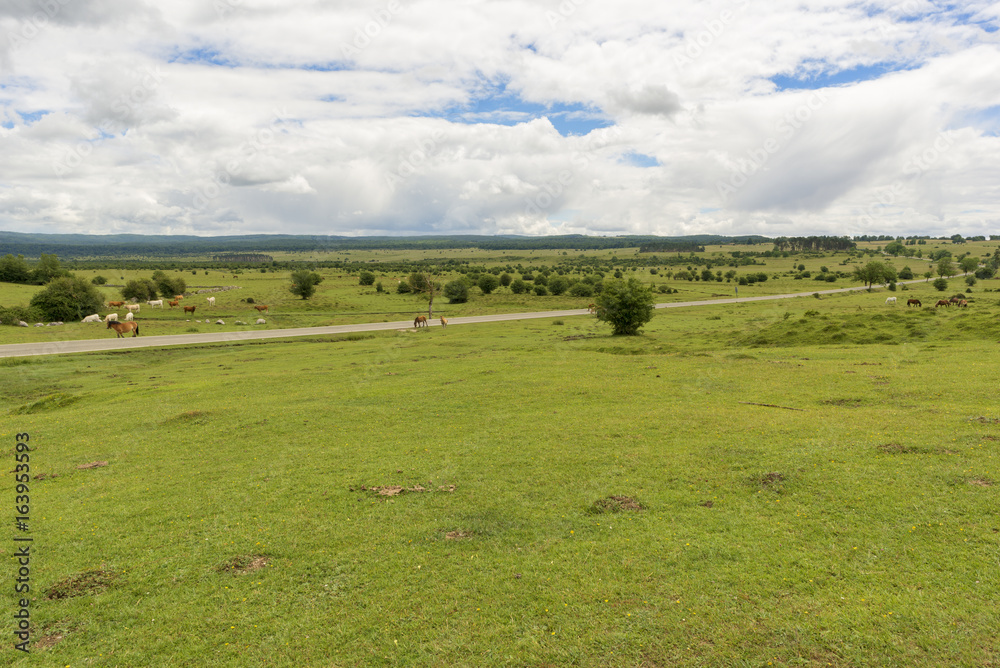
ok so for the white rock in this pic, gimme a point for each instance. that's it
(219, 322)
(22, 323)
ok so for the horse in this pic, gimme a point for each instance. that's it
(189, 309)
(942, 302)
(444, 321)
(592, 308)
(955, 300)
(261, 308)
(890, 300)
(963, 304)
(913, 302)
(420, 320)
(122, 327)
(178, 297)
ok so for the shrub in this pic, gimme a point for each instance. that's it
(488, 283)
(98, 280)
(68, 298)
(366, 278)
(404, 288)
(970, 280)
(558, 285)
(304, 283)
(139, 289)
(379, 287)
(541, 279)
(541, 290)
(528, 277)
(456, 292)
(892, 287)
(626, 306)
(581, 290)
(664, 290)
(168, 286)
(505, 279)
(11, 315)
(905, 273)
(940, 284)
(518, 287)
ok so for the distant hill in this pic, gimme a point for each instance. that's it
(136, 245)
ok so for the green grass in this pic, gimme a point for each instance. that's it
(235, 522)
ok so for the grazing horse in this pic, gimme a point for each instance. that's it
(890, 300)
(420, 320)
(261, 308)
(173, 303)
(942, 302)
(122, 327)
(963, 304)
(913, 302)
(189, 309)
(444, 321)
(116, 304)
(955, 300)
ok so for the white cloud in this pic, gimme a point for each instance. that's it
(423, 116)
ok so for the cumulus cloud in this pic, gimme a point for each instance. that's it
(424, 116)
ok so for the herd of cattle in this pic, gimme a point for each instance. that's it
(129, 324)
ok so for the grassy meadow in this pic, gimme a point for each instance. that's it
(808, 482)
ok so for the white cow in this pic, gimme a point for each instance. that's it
(155, 303)
(132, 308)
(210, 300)
(890, 300)
(92, 318)
(111, 317)
(129, 317)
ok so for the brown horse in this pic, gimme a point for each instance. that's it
(122, 327)
(592, 308)
(420, 320)
(963, 304)
(942, 302)
(913, 302)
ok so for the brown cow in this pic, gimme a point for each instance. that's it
(942, 302)
(420, 320)
(189, 309)
(173, 303)
(261, 308)
(178, 297)
(122, 327)
(116, 304)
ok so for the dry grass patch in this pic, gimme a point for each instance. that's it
(87, 582)
(243, 564)
(615, 504)
(92, 465)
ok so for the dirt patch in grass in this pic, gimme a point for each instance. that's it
(846, 402)
(92, 465)
(457, 535)
(46, 642)
(897, 449)
(46, 476)
(771, 479)
(615, 504)
(243, 564)
(990, 438)
(985, 420)
(48, 403)
(197, 417)
(396, 490)
(87, 582)
(981, 482)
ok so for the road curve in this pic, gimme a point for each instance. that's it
(99, 345)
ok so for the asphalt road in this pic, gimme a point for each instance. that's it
(109, 343)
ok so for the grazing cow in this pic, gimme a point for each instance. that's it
(189, 309)
(210, 300)
(155, 302)
(133, 308)
(173, 303)
(178, 297)
(111, 317)
(129, 317)
(116, 304)
(92, 318)
(890, 300)
(942, 302)
(592, 308)
(420, 321)
(261, 308)
(444, 321)
(122, 327)
(963, 304)
(913, 302)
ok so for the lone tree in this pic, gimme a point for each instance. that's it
(304, 283)
(875, 272)
(945, 267)
(421, 284)
(69, 298)
(625, 305)
(969, 264)
(366, 278)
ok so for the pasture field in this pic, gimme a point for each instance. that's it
(802, 483)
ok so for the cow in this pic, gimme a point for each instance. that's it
(92, 318)
(890, 300)
(116, 304)
(155, 302)
(420, 321)
(122, 327)
(261, 308)
(210, 300)
(129, 317)
(173, 303)
(133, 308)
(111, 317)
(963, 303)
(189, 309)
(913, 302)
(178, 297)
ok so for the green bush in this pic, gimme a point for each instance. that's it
(366, 278)
(558, 285)
(98, 280)
(488, 283)
(518, 287)
(456, 292)
(304, 283)
(11, 315)
(626, 306)
(140, 289)
(404, 288)
(541, 290)
(68, 298)
(505, 279)
(581, 290)
(940, 284)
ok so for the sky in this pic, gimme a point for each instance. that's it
(404, 117)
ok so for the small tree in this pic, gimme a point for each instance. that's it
(518, 287)
(541, 290)
(969, 264)
(940, 284)
(488, 283)
(558, 285)
(304, 283)
(945, 267)
(905, 273)
(421, 284)
(875, 272)
(68, 298)
(140, 289)
(98, 280)
(367, 278)
(505, 279)
(626, 306)
(457, 291)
